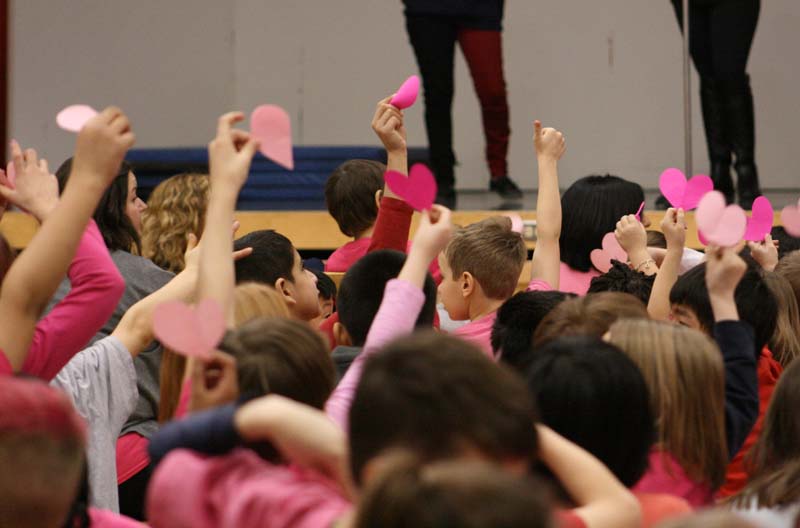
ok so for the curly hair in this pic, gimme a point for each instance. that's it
(177, 207)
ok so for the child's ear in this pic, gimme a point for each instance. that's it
(378, 196)
(341, 336)
(282, 287)
(467, 284)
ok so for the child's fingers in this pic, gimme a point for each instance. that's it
(120, 124)
(43, 166)
(109, 114)
(242, 253)
(226, 121)
(537, 128)
(191, 242)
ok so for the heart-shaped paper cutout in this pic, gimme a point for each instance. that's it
(418, 189)
(761, 218)
(192, 332)
(790, 218)
(681, 193)
(407, 94)
(272, 127)
(611, 250)
(516, 222)
(73, 117)
(719, 224)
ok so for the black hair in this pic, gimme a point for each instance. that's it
(787, 242)
(621, 278)
(755, 302)
(272, 258)
(435, 395)
(361, 293)
(516, 322)
(590, 392)
(350, 194)
(110, 215)
(591, 207)
(325, 285)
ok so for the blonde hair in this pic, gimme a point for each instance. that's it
(685, 375)
(250, 301)
(491, 252)
(789, 268)
(785, 342)
(177, 207)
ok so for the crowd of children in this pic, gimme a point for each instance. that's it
(662, 392)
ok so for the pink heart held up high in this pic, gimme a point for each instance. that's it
(189, 331)
(683, 194)
(407, 94)
(73, 117)
(271, 126)
(760, 222)
(601, 258)
(790, 218)
(719, 224)
(418, 189)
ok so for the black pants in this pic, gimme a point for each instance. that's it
(720, 36)
(434, 40)
(132, 494)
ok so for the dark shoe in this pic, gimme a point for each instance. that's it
(719, 145)
(741, 131)
(446, 196)
(506, 188)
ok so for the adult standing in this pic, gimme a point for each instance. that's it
(720, 37)
(434, 27)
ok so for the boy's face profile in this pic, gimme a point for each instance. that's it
(683, 315)
(450, 292)
(304, 291)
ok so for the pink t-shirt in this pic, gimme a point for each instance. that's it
(665, 475)
(5, 367)
(479, 332)
(577, 282)
(240, 489)
(132, 455)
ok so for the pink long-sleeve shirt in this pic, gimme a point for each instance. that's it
(96, 289)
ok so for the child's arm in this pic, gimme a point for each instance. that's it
(602, 500)
(546, 263)
(36, 273)
(674, 227)
(229, 156)
(765, 252)
(632, 237)
(724, 270)
(402, 302)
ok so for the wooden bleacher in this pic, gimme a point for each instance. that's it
(316, 230)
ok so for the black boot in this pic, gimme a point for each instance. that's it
(740, 117)
(719, 146)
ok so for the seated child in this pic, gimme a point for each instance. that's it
(327, 297)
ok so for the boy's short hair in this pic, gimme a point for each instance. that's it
(272, 258)
(350, 194)
(491, 252)
(442, 395)
(592, 315)
(516, 322)
(325, 285)
(754, 301)
(621, 278)
(591, 393)
(361, 292)
(42, 443)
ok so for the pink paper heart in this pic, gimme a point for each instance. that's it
(639, 212)
(407, 94)
(683, 194)
(516, 222)
(601, 258)
(270, 124)
(418, 189)
(761, 218)
(719, 224)
(790, 218)
(192, 332)
(73, 117)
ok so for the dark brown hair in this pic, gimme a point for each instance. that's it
(491, 252)
(440, 395)
(591, 315)
(350, 194)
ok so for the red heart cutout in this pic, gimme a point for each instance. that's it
(760, 222)
(790, 218)
(683, 194)
(601, 258)
(418, 189)
(189, 331)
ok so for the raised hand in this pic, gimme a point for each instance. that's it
(765, 252)
(434, 232)
(724, 270)
(101, 146)
(674, 228)
(388, 126)
(549, 142)
(35, 189)
(230, 153)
